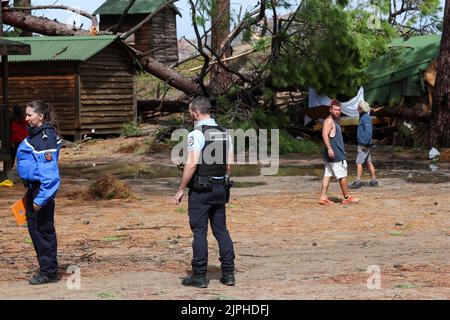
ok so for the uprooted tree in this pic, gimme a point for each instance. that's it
(215, 56)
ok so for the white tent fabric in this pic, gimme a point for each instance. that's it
(349, 108)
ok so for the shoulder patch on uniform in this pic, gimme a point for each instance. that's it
(48, 156)
(191, 141)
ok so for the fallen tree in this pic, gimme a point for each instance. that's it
(286, 68)
(94, 22)
(414, 114)
(168, 106)
(39, 25)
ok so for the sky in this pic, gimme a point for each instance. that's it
(184, 27)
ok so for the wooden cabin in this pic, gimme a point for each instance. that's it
(159, 35)
(89, 81)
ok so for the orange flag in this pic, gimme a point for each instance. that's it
(18, 210)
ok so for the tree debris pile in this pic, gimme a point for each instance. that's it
(106, 188)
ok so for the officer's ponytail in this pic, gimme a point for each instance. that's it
(45, 108)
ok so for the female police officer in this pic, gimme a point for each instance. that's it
(37, 166)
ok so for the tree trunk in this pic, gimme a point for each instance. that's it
(170, 106)
(220, 22)
(171, 76)
(24, 3)
(40, 25)
(440, 120)
(409, 114)
(1, 19)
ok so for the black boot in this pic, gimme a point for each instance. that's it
(198, 281)
(228, 279)
(42, 279)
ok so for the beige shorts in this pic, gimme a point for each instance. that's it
(336, 169)
(363, 155)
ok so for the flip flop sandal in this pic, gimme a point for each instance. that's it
(326, 202)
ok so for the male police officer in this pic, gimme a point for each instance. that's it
(206, 173)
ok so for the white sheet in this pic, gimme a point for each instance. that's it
(349, 108)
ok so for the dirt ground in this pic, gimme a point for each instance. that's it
(287, 246)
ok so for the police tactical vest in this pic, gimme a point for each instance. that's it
(213, 161)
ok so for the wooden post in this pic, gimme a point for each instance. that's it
(77, 136)
(4, 109)
(6, 143)
(135, 109)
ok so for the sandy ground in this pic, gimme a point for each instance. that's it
(287, 246)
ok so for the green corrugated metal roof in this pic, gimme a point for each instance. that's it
(405, 59)
(401, 68)
(68, 48)
(118, 6)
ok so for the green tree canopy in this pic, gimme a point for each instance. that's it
(327, 47)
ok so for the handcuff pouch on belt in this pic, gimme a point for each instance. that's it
(200, 184)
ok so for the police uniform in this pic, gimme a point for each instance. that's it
(208, 195)
(37, 166)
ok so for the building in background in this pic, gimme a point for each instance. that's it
(158, 36)
(90, 81)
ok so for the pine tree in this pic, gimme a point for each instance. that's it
(440, 119)
(220, 23)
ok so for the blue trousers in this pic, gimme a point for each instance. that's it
(41, 226)
(204, 207)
